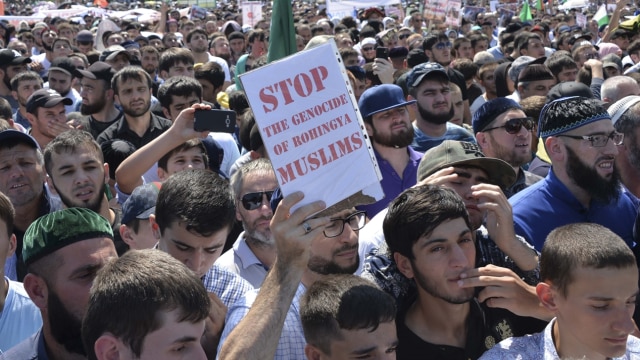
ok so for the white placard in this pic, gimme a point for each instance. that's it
(312, 129)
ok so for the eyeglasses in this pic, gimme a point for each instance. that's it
(513, 126)
(356, 222)
(22, 51)
(252, 201)
(590, 56)
(403, 36)
(367, 48)
(599, 140)
(443, 45)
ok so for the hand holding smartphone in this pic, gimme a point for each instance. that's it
(382, 53)
(215, 121)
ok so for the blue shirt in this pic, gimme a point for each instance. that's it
(291, 344)
(540, 346)
(19, 318)
(392, 183)
(33, 348)
(549, 204)
(423, 142)
(242, 261)
(228, 286)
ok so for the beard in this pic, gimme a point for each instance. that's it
(131, 112)
(65, 327)
(433, 118)
(90, 109)
(399, 140)
(328, 267)
(510, 156)
(93, 204)
(47, 47)
(150, 69)
(633, 152)
(6, 80)
(588, 179)
(224, 56)
(257, 237)
(431, 288)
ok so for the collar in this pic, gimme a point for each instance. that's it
(247, 257)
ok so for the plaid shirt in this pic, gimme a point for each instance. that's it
(228, 286)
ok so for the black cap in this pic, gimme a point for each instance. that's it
(64, 65)
(12, 57)
(18, 135)
(98, 70)
(46, 98)
(418, 73)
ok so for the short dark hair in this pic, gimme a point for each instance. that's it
(130, 73)
(200, 199)
(586, 245)
(196, 31)
(416, 212)
(211, 72)
(128, 294)
(25, 76)
(178, 86)
(634, 47)
(558, 63)
(342, 302)
(432, 39)
(173, 56)
(7, 213)
(187, 145)
(69, 141)
(522, 40)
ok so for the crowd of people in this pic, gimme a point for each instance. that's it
(510, 160)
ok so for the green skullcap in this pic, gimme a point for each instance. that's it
(61, 228)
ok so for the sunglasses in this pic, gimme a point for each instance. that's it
(367, 49)
(403, 36)
(513, 126)
(252, 201)
(443, 45)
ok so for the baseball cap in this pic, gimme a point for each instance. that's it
(141, 203)
(12, 57)
(84, 36)
(418, 73)
(46, 98)
(462, 153)
(382, 98)
(518, 64)
(58, 229)
(568, 89)
(64, 65)
(18, 135)
(97, 70)
(112, 51)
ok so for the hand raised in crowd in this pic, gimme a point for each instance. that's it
(504, 289)
(383, 68)
(183, 125)
(440, 177)
(36, 66)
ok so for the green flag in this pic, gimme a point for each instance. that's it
(282, 37)
(525, 13)
(601, 16)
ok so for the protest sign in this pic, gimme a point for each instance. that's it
(312, 129)
(581, 20)
(453, 13)
(251, 12)
(434, 10)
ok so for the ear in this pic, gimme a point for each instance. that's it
(520, 88)
(15, 95)
(51, 185)
(369, 128)
(312, 352)
(162, 175)
(547, 295)
(107, 347)
(116, 99)
(482, 140)
(125, 234)
(155, 228)
(164, 74)
(12, 245)
(238, 215)
(37, 289)
(166, 112)
(554, 148)
(106, 173)
(31, 118)
(429, 54)
(404, 265)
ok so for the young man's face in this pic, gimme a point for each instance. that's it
(458, 108)
(25, 89)
(378, 344)
(337, 255)
(465, 51)
(568, 74)
(79, 177)
(180, 69)
(535, 48)
(7, 245)
(594, 319)
(197, 252)
(439, 259)
(481, 45)
(94, 96)
(179, 103)
(192, 158)
(391, 128)
(134, 96)
(150, 62)
(237, 46)
(434, 101)
(198, 43)
(498, 143)
(175, 339)
(45, 116)
(143, 239)
(440, 52)
(119, 62)
(539, 87)
(60, 82)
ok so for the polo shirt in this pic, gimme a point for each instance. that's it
(549, 204)
(120, 130)
(242, 261)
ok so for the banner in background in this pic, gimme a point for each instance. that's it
(251, 12)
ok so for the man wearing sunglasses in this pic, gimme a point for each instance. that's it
(254, 252)
(266, 323)
(503, 131)
(583, 184)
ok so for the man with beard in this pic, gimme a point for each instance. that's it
(97, 98)
(626, 120)
(132, 91)
(150, 61)
(583, 184)
(197, 41)
(428, 84)
(265, 323)
(63, 252)
(254, 252)
(386, 118)
(22, 86)
(47, 115)
(78, 173)
(219, 46)
(11, 64)
(62, 79)
(429, 235)
(45, 58)
(503, 131)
